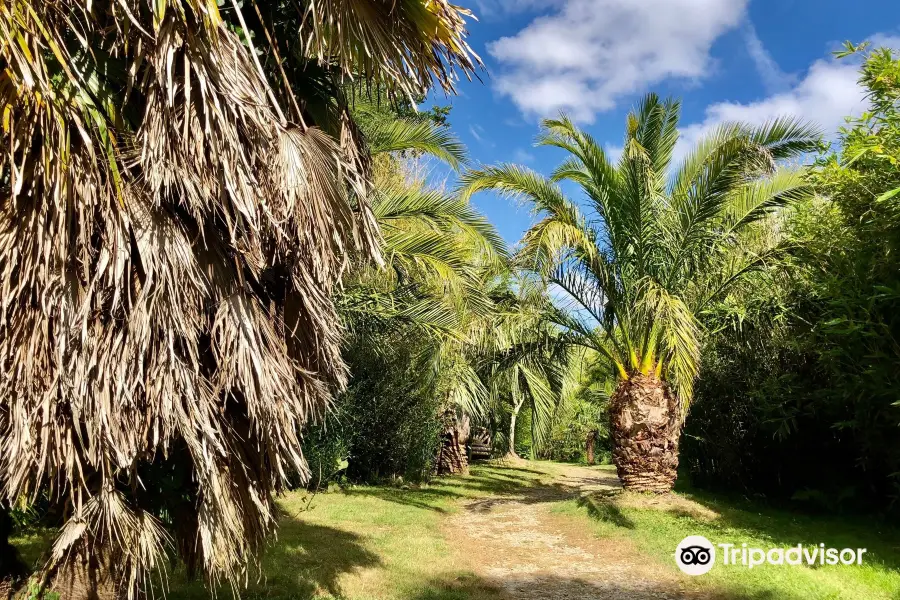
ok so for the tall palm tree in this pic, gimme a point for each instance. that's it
(181, 188)
(439, 254)
(662, 241)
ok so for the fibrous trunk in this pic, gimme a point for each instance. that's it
(646, 427)
(452, 459)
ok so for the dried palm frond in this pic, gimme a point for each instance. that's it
(409, 43)
(169, 243)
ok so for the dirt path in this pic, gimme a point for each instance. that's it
(518, 544)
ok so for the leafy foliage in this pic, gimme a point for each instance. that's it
(582, 413)
(523, 362)
(387, 424)
(804, 376)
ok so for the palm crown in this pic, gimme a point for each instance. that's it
(658, 243)
(181, 189)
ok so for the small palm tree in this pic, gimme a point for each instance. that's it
(662, 242)
(181, 189)
(524, 360)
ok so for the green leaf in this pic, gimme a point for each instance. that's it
(888, 195)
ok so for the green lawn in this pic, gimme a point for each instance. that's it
(657, 531)
(377, 543)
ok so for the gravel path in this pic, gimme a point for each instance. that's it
(520, 546)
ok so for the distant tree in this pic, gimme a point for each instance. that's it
(524, 360)
(441, 255)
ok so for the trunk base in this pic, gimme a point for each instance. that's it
(645, 423)
(654, 483)
(83, 577)
(452, 458)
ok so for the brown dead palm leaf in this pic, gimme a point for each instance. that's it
(169, 243)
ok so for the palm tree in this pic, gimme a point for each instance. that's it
(663, 241)
(524, 360)
(439, 252)
(440, 255)
(182, 188)
(579, 417)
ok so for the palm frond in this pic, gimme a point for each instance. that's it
(680, 338)
(398, 207)
(408, 43)
(398, 135)
(657, 130)
(787, 137)
(754, 201)
(544, 400)
(563, 227)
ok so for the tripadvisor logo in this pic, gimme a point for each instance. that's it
(696, 555)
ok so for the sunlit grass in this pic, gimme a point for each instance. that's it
(394, 543)
(657, 526)
(374, 542)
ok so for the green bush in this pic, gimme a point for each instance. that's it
(387, 423)
(799, 393)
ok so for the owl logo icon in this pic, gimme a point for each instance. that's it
(695, 555)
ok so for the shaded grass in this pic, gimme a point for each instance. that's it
(374, 542)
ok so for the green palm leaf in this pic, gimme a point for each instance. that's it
(420, 136)
(659, 243)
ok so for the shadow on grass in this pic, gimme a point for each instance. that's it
(600, 508)
(727, 518)
(306, 561)
(471, 587)
(507, 467)
(417, 497)
(785, 527)
(492, 482)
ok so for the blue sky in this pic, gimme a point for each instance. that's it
(726, 59)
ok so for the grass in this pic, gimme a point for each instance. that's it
(657, 526)
(379, 543)
(370, 542)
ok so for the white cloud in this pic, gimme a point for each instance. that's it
(522, 156)
(773, 78)
(825, 96)
(613, 152)
(588, 54)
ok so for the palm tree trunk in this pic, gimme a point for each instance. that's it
(589, 447)
(512, 429)
(646, 429)
(88, 573)
(452, 458)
